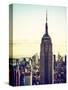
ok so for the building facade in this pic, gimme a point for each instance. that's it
(46, 58)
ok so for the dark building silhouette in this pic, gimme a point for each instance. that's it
(17, 73)
(46, 58)
(65, 68)
(54, 57)
(12, 73)
(60, 70)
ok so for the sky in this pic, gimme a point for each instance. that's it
(29, 28)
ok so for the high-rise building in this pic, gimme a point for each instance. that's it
(46, 57)
(17, 73)
(35, 59)
(54, 57)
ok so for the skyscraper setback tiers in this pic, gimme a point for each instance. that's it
(46, 61)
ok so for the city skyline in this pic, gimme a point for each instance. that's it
(37, 34)
(29, 27)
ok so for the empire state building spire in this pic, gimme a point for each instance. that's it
(46, 61)
(46, 25)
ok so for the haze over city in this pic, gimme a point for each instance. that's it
(29, 27)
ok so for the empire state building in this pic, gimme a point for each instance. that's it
(46, 58)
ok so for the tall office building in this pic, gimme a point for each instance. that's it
(17, 73)
(46, 58)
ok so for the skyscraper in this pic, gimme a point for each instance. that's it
(46, 57)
